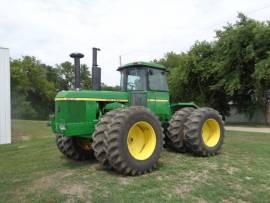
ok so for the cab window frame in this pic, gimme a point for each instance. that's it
(126, 74)
(148, 80)
(124, 79)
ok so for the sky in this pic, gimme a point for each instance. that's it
(136, 30)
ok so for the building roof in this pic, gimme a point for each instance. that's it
(141, 63)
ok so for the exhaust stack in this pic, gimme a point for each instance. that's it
(96, 71)
(77, 66)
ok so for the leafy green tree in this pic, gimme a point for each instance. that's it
(86, 80)
(20, 85)
(66, 76)
(32, 94)
(34, 86)
(242, 52)
(110, 88)
(192, 75)
(234, 68)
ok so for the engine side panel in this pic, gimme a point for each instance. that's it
(77, 112)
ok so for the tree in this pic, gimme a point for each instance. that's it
(192, 75)
(34, 86)
(234, 68)
(105, 87)
(31, 92)
(242, 52)
(66, 76)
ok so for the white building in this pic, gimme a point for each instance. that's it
(5, 121)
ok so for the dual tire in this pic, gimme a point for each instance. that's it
(200, 131)
(129, 140)
(75, 148)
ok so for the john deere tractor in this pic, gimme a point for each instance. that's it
(126, 130)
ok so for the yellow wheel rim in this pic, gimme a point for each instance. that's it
(211, 132)
(141, 140)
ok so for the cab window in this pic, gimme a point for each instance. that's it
(136, 79)
(157, 80)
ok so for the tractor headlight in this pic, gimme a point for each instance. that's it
(62, 127)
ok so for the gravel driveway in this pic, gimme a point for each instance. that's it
(248, 129)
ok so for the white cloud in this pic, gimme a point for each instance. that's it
(135, 29)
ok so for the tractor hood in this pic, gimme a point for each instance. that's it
(92, 95)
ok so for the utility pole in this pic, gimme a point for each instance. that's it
(120, 60)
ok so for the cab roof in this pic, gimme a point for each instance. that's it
(141, 63)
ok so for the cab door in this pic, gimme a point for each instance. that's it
(136, 86)
(138, 98)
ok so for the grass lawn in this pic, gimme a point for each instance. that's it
(32, 170)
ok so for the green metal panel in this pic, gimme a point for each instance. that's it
(93, 95)
(77, 112)
(142, 64)
(138, 98)
(184, 104)
(163, 109)
(114, 105)
(179, 105)
(75, 117)
(151, 101)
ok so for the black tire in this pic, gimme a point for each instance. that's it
(193, 131)
(73, 148)
(59, 142)
(99, 137)
(120, 158)
(175, 133)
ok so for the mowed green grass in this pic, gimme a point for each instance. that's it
(32, 170)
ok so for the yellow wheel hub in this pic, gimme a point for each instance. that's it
(211, 132)
(141, 140)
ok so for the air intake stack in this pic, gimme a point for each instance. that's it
(77, 66)
(96, 71)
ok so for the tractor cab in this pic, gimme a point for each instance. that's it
(147, 86)
(143, 76)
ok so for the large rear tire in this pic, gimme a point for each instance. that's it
(204, 132)
(175, 133)
(134, 141)
(75, 148)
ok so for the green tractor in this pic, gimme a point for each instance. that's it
(126, 130)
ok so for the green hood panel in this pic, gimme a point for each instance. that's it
(92, 95)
